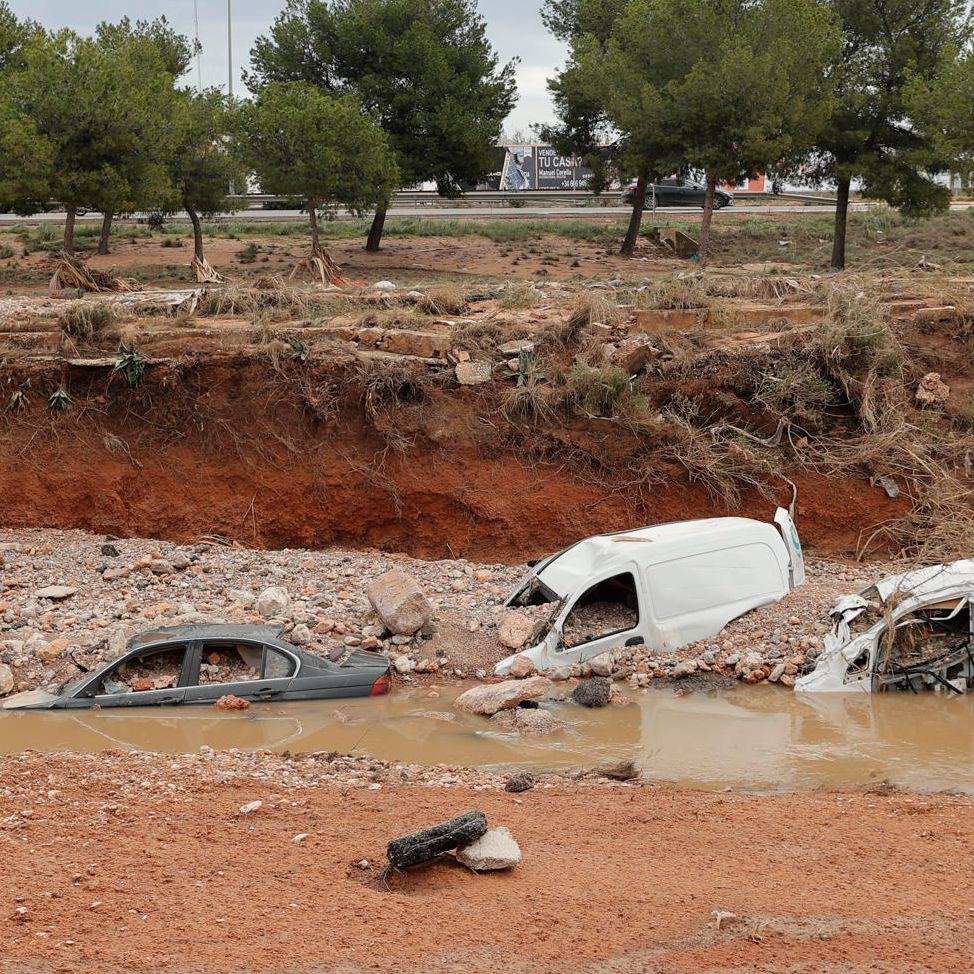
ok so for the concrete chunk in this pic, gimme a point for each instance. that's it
(497, 849)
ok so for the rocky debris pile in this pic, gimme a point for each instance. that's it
(588, 622)
(121, 587)
(521, 627)
(932, 390)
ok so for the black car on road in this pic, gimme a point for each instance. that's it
(678, 192)
(200, 663)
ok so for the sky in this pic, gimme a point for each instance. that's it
(514, 28)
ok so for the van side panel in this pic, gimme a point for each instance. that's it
(694, 597)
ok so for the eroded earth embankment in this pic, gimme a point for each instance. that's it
(339, 453)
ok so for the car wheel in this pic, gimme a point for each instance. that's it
(719, 203)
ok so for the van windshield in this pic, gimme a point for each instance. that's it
(533, 592)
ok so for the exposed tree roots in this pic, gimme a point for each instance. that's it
(205, 273)
(321, 268)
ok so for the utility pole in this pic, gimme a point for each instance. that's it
(229, 53)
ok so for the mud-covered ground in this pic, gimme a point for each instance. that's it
(135, 863)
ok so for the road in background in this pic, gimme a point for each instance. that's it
(487, 211)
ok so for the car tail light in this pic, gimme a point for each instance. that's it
(381, 686)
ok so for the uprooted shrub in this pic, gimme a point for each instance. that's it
(860, 353)
(605, 390)
(86, 320)
(795, 388)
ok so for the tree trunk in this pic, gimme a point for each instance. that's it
(708, 215)
(69, 230)
(378, 222)
(841, 216)
(106, 229)
(635, 221)
(197, 233)
(313, 218)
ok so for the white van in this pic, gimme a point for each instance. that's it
(664, 586)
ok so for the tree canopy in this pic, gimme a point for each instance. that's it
(424, 68)
(870, 136)
(303, 141)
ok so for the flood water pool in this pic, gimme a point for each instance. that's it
(753, 738)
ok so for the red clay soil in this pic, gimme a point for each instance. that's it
(621, 879)
(228, 448)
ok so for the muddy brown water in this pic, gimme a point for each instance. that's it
(758, 739)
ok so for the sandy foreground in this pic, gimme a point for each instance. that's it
(146, 863)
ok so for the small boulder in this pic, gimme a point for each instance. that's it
(6, 679)
(231, 702)
(521, 667)
(593, 693)
(531, 722)
(497, 849)
(515, 629)
(273, 602)
(384, 286)
(300, 635)
(520, 781)
(400, 602)
(489, 698)
(932, 390)
(473, 373)
(52, 650)
(55, 592)
(602, 664)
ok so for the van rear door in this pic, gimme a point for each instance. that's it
(796, 559)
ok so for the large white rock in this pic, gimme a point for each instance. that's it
(6, 679)
(489, 698)
(400, 602)
(273, 602)
(496, 849)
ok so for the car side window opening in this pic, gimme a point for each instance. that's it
(153, 670)
(607, 608)
(928, 648)
(277, 665)
(229, 663)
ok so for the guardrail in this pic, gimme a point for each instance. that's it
(516, 198)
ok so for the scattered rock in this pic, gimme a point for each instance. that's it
(496, 849)
(273, 602)
(231, 702)
(489, 698)
(521, 667)
(932, 390)
(55, 592)
(251, 807)
(401, 603)
(109, 551)
(515, 629)
(593, 693)
(520, 781)
(384, 286)
(531, 722)
(6, 679)
(300, 635)
(602, 665)
(473, 373)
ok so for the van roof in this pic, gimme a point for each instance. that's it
(565, 571)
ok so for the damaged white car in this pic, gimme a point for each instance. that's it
(908, 632)
(664, 586)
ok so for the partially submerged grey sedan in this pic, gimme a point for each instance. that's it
(201, 663)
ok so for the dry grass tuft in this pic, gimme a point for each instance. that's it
(86, 321)
(444, 300)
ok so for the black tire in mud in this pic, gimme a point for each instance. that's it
(426, 844)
